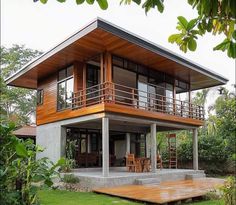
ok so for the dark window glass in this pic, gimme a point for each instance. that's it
(132, 66)
(62, 74)
(69, 71)
(169, 79)
(65, 88)
(117, 61)
(142, 70)
(39, 97)
(61, 95)
(92, 75)
(125, 64)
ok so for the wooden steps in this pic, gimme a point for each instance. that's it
(148, 181)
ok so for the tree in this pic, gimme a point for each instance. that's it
(215, 16)
(19, 169)
(17, 104)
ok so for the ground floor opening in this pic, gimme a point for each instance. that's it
(86, 146)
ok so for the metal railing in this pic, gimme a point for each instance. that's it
(109, 92)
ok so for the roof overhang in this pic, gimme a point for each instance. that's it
(100, 36)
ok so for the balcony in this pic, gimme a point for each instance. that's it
(116, 94)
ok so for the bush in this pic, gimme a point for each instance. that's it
(19, 169)
(68, 165)
(228, 191)
(213, 157)
(70, 178)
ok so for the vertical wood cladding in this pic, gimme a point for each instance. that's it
(48, 110)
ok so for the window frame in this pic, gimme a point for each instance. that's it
(40, 93)
(67, 78)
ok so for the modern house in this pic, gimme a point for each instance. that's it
(111, 91)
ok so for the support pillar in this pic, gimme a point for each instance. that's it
(105, 147)
(153, 147)
(89, 143)
(195, 149)
(127, 143)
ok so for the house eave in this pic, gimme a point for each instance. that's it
(99, 23)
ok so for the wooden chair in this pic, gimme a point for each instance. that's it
(159, 162)
(138, 165)
(147, 165)
(130, 162)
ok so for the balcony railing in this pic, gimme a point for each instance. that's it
(119, 94)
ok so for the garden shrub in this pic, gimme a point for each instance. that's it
(70, 178)
(19, 169)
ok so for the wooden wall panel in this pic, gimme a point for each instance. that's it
(47, 112)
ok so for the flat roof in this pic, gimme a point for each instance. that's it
(100, 36)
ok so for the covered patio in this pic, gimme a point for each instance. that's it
(106, 127)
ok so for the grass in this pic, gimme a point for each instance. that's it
(58, 197)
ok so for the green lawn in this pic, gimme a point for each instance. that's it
(57, 197)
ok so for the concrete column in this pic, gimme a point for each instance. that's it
(148, 145)
(195, 149)
(63, 141)
(89, 143)
(52, 137)
(127, 143)
(105, 147)
(153, 148)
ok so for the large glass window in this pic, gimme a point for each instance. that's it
(124, 80)
(182, 98)
(169, 97)
(142, 92)
(65, 88)
(93, 79)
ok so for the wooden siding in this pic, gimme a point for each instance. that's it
(47, 112)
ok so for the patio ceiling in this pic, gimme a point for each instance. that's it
(100, 36)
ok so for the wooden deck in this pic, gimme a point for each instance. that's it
(166, 191)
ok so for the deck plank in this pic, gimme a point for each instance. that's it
(164, 192)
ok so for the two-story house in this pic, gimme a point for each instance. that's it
(107, 88)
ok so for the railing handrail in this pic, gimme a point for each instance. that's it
(112, 92)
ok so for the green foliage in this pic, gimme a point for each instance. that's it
(17, 104)
(68, 165)
(228, 191)
(19, 169)
(70, 156)
(217, 141)
(216, 17)
(70, 178)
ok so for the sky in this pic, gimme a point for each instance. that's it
(41, 27)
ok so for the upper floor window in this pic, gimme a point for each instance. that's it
(40, 97)
(65, 88)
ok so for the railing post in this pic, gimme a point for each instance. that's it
(181, 108)
(84, 97)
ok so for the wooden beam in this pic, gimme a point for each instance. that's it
(75, 74)
(108, 67)
(102, 67)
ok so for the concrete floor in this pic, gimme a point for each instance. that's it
(122, 172)
(91, 178)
